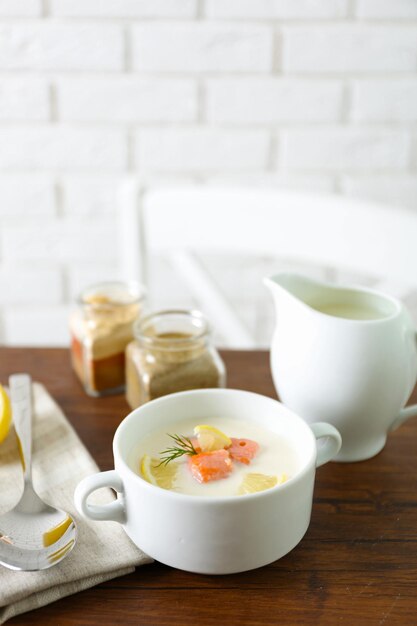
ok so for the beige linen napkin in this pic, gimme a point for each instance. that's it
(102, 551)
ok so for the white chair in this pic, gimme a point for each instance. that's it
(179, 222)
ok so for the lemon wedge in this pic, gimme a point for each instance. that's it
(210, 438)
(55, 533)
(259, 482)
(160, 475)
(5, 414)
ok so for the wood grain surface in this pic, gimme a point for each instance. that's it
(357, 563)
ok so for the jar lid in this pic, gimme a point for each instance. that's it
(173, 329)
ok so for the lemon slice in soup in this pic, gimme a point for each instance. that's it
(5, 414)
(160, 475)
(210, 438)
(254, 482)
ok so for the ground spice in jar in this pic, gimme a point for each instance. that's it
(101, 327)
(171, 352)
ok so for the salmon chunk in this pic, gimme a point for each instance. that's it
(243, 450)
(208, 466)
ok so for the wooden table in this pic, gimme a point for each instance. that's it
(357, 563)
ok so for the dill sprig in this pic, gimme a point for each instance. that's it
(184, 445)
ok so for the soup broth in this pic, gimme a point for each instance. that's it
(275, 456)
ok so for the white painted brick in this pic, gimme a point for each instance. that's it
(27, 196)
(84, 275)
(350, 48)
(385, 100)
(63, 240)
(124, 8)
(273, 100)
(344, 148)
(202, 47)
(62, 148)
(32, 285)
(58, 46)
(393, 190)
(386, 9)
(201, 149)
(25, 99)
(276, 9)
(90, 196)
(37, 326)
(20, 8)
(127, 99)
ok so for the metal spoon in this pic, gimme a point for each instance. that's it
(33, 535)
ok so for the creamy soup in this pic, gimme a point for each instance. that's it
(275, 458)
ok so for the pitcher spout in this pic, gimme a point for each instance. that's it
(352, 304)
(287, 286)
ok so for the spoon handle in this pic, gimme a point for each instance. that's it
(21, 398)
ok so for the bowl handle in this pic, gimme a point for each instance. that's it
(114, 511)
(331, 446)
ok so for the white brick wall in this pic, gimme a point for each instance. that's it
(273, 100)
(127, 99)
(20, 8)
(58, 46)
(318, 95)
(89, 195)
(201, 150)
(62, 148)
(124, 8)
(23, 195)
(30, 285)
(24, 99)
(385, 100)
(386, 9)
(201, 47)
(60, 241)
(350, 48)
(345, 149)
(36, 325)
(277, 9)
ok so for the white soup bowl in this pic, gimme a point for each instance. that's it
(212, 535)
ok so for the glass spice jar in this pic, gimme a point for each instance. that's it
(171, 352)
(101, 327)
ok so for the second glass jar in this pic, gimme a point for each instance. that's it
(172, 351)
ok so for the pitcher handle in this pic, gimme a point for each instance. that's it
(114, 511)
(405, 414)
(331, 446)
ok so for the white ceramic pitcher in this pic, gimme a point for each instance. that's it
(343, 355)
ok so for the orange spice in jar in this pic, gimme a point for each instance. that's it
(101, 327)
(172, 351)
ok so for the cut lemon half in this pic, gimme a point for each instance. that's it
(211, 438)
(160, 475)
(252, 483)
(5, 414)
